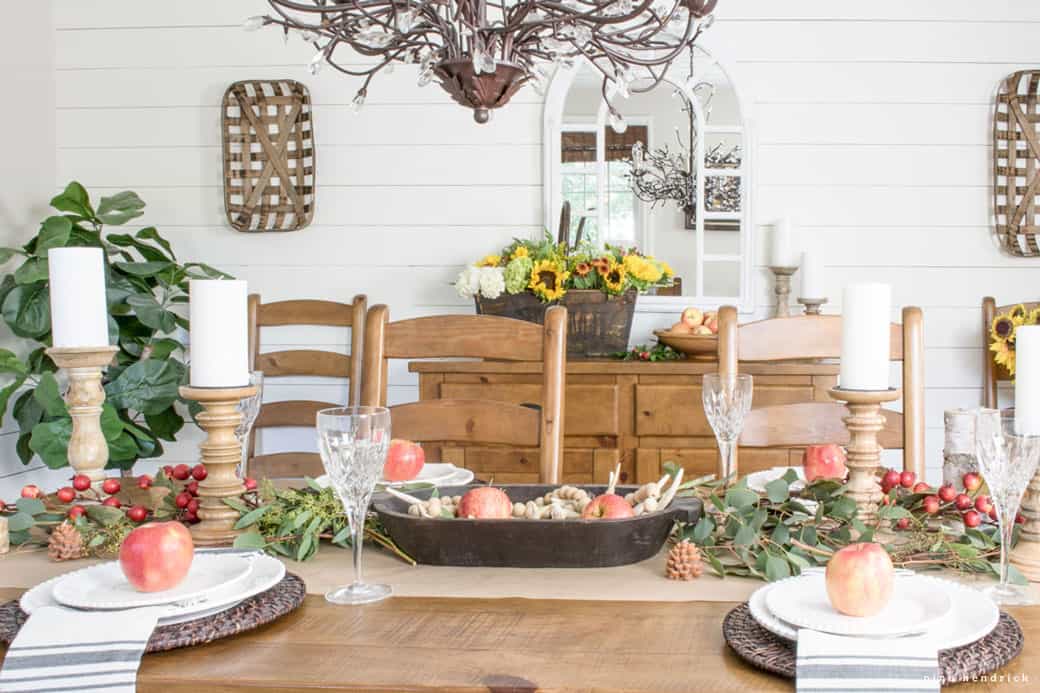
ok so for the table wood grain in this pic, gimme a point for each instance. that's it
(495, 646)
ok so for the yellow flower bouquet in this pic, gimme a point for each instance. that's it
(1002, 334)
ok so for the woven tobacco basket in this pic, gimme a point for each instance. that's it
(1016, 163)
(268, 139)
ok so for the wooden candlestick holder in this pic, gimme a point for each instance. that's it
(221, 453)
(782, 289)
(812, 305)
(88, 451)
(864, 422)
(1026, 554)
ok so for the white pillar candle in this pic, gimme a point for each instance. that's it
(865, 335)
(812, 286)
(1027, 380)
(781, 253)
(79, 312)
(218, 333)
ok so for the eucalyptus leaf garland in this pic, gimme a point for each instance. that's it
(777, 534)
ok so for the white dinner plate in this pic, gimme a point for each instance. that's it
(974, 616)
(756, 481)
(915, 606)
(104, 586)
(266, 573)
(435, 473)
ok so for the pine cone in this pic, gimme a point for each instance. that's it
(684, 562)
(66, 543)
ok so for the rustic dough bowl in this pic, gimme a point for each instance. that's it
(522, 543)
(703, 347)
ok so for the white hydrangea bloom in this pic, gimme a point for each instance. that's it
(492, 281)
(468, 282)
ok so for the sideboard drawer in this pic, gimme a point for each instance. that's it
(677, 410)
(589, 410)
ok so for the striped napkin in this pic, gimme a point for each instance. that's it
(839, 663)
(63, 649)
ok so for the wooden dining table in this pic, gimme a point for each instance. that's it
(482, 643)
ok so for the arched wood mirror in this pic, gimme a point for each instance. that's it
(671, 176)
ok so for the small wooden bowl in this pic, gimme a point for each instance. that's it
(701, 347)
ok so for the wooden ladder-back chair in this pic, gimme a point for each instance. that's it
(991, 372)
(811, 337)
(474, 421)
(301, 362)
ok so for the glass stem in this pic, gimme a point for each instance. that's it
(726, 451)
(357, 533)
(1007, 528)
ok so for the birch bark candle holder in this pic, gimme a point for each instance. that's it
(88, 451)
(864, 422)
(221, 453)
(782, 289)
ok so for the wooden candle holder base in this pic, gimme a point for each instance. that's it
(221, 453)
(88, 451)
(782, 289)
(1026, 554)
(812, 305)
(864, 422)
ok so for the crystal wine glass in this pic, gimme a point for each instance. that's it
(727, 400)
(353, 442)
(1008, 462)
(249, 407)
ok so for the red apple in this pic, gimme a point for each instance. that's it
(983, 504)
(824, 462)
(971, 519)
(404, 460)
(891, 478)
(907, 479)
(922, 487)
(485, 502)
(607, 506)
(156, 556)
(692, 317)
(711, 321)
(930, 504)
(947, 493)
(859, 579)
(972, 481)
(963, 501)
(680, 328)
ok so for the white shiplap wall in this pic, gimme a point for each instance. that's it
(871, 122)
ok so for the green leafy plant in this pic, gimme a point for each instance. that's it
(778, 534)
(145, 285)
(292, 522)
(642, 352)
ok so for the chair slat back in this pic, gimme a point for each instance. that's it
(466, 420)
(818, 337)
(991, 372)
(301, 362)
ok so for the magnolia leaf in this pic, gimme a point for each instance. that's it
(7, 253)
(49, 396)
(777, 490)
(54, 233)
(27, 310)
(9, 363)
(74, 199)
(148, 252)
(250, 540)
(166, 424)
(122, 448)
(50, 440)
(142, 269)
(149, 387)
(31, 506)
(22, 449)
(10, 389)
(19, 522)
(151, 313)
(120, 208)
(104, 515)
(33, 270)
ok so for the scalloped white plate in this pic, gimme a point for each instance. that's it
(104, 586)
(266, 573)
(974, 616)
(756, 481)
(915, 606)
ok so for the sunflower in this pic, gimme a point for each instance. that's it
(1003, 329)
(521, 251)
(615, 277)
(547, 280)
(490, 261)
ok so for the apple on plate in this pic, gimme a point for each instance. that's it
(824, 462)
(859, 579)
(404, 460)
(692, 317)
(485, 503)
(680, 328)
(156, 556)
(607, 506)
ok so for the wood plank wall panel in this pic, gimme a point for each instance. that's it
(871, 128)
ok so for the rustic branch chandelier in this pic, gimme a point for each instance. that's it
(483, 51)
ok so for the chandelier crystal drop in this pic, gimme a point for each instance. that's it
(483, 51)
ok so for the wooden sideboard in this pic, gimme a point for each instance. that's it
(638, 413)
